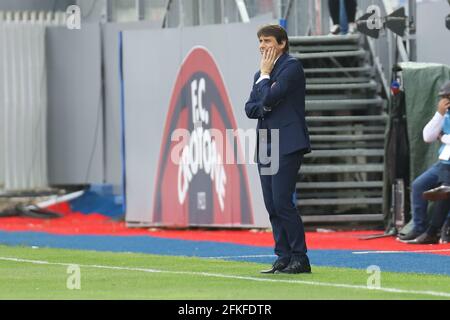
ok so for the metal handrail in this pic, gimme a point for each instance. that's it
(166, 14)
(288, 9)
(378, 66)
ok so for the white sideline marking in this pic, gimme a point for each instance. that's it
(218, 275)
(413, 251)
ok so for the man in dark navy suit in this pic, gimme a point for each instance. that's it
(277, 100)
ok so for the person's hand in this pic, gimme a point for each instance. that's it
(443, 106)
(267, 61)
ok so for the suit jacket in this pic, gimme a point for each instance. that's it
(284, 93)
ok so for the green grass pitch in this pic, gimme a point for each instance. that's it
(42, 273)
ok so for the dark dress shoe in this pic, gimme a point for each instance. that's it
(436, 194)
(277, 265)
(445, 232)
(297, 266)
(424, 238)
(413, 234)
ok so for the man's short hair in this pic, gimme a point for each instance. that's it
(274, 30)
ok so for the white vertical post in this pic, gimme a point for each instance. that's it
(243, 11)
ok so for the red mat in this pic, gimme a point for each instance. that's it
(95, 224)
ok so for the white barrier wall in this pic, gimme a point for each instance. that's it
(23, 106)
(197, 79)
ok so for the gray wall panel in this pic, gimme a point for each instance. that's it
(113, 127)
(75, 118)
(433, 38)
(148, 84)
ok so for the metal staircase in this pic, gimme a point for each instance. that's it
(342, 179)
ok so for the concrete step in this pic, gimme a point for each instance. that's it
(347, 104)
(380, 118)
(363, 70)
(309, 194)
(344, 138)
(346, 153)
(356, 128)
(340, 185)
(362, 217)
(343, 86)
(322, 47)
(348, 145)
(337, 96)
(340, 168)
(339, 107)
(337, 80)
(326, 55)
(339, 201)
(326, 39)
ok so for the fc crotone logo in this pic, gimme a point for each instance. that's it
(197, 184)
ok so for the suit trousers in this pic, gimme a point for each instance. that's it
(350, 9)
(441, 208)
(280, 201)
(436, 175)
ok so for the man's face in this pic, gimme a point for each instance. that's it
(270, 42)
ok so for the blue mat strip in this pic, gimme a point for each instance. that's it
(395, 262)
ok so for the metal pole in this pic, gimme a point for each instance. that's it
(222, 12)
(181, 13)
(412, 13)
(310, 31)
(165, 22)
(109, 11)
(278, 9)
(199, 8)
(140, 8)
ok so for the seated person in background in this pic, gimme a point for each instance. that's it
(437, 128)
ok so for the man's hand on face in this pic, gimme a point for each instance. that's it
(444, 105)
(267, 61)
